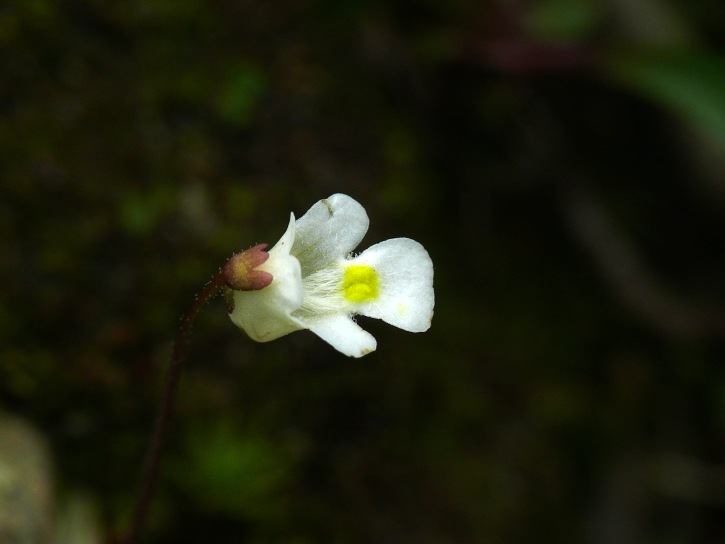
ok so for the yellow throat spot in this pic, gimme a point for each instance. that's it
(361, 283)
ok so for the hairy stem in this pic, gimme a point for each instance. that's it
(158, 438)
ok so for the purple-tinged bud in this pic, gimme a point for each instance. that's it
(240, 272)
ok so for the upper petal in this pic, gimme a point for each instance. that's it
(286, 242)
(405, 273)
(329, 231)
(343, 334)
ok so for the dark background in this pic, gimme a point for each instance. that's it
(563, 161)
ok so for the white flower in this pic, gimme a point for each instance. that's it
(317, 284)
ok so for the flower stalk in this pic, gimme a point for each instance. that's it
(239, 273)
(163, 419)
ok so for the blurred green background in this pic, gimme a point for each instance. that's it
(563, 161)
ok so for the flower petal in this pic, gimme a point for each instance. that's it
(330, 230)
(405, 272)
(266, 314)
(343, 334)
(285, 243)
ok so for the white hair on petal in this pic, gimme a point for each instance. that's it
(323, 291)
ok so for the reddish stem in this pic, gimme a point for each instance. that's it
(163, 419)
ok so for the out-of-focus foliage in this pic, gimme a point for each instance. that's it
(562, 160)
(692, 84)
